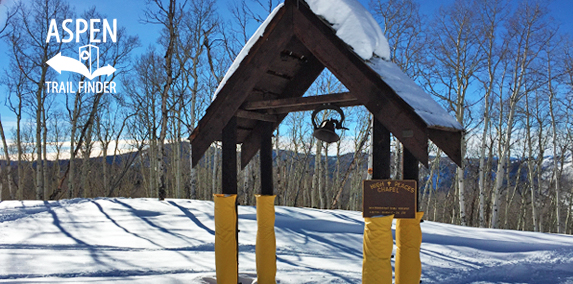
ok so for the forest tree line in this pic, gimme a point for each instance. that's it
(503, 68)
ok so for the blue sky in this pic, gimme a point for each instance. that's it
(129, 13)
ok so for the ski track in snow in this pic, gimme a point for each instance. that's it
(119, 240)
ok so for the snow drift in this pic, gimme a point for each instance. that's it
(150, 241)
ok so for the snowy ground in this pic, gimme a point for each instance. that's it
(148, 241)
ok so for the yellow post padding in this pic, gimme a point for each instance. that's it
(266, 247)
(226, 262)
(377, 250)
(408, 242)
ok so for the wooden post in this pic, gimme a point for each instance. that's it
(410, 171)
(229, 165)
(380, 150)
(229, 170)
(408, 267)
(266, 156)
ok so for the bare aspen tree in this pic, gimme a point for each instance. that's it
(491, 16)
(58, 138)
(316, 190)
(30, 50)
(568, 80)
(360, 142)
(9, 177)
(404, 28)
(569, 141)
(142, 88)
(116, 177)
(455, 50)
(9, 15)
(86, 105)
(430, 190)
(169, 16)
(87, 147)
(428, 186)
(16, 85)
(531, 168)
(198, 26)
(105, 129)
(552, 112)
(527, 33)
(45, 171)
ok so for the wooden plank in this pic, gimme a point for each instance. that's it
(229, 158)
(238, 86)
(394, 113)
(310, 107)
(266, 157)
(289, 61)
(296, 88)
(380, 151)
(288, 64)
(449, 142)
(300, 101)
(270, 83)
(256, 115)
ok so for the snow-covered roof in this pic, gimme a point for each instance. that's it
(354, 25)
(423, 104)
(357, 28)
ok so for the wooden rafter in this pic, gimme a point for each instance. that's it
(237, 88)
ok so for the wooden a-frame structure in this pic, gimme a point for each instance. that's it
(268, 80)
(280, 66)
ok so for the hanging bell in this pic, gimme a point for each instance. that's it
(326, 130)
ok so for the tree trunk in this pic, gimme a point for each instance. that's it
(106, 188)
(74, 116)
(9, 177)
(39, 127)
(315, 195)
(46, 173)
(20, 151)
(555, 161)
(86, 167)
(177, 152)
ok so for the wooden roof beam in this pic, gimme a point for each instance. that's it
(239, 85)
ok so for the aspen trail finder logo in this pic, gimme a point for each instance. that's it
(63, 63)
(88, 62)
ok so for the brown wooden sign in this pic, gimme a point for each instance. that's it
(387, 197)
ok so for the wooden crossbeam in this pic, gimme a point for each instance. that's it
(302, 103)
